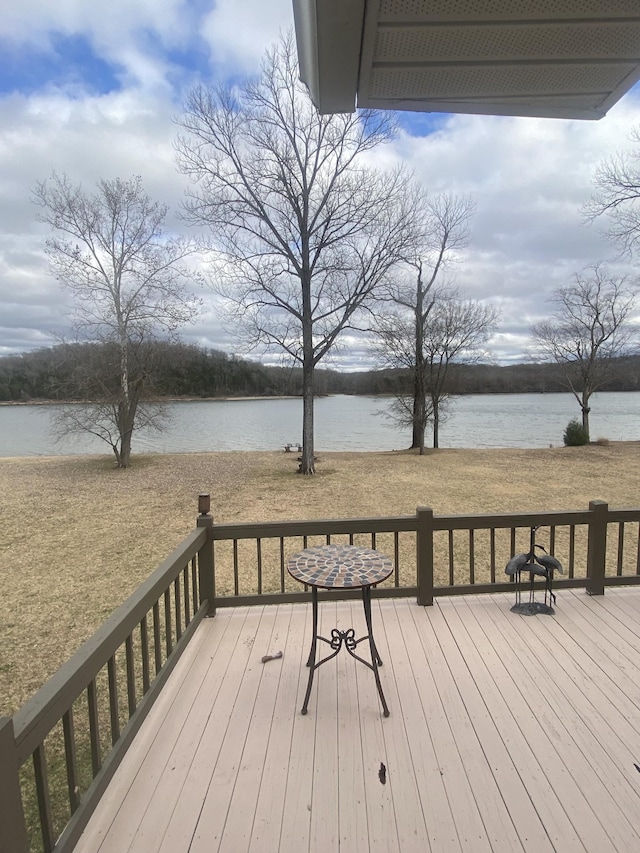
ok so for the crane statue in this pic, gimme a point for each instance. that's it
(537, 565)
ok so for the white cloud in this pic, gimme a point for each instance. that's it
(529, 178)
(239, 33)
(108, 25)
(132, 37)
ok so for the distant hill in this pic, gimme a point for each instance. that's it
(186, 370)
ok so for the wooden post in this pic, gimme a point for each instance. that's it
(424, 555)
(13, 829)
(206, 574)
(597, 547)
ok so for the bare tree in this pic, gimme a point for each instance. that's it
(129, 285)
(457, 330)
(589, 329)
(402, 329)
(617, 196)
(394, 346)
(304, 228)
(454, 329)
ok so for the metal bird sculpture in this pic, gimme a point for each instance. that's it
(543, 565)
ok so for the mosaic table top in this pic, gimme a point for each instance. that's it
(339, 566)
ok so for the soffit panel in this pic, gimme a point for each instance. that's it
(490, 56)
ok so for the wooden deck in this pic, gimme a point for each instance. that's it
(506, 733)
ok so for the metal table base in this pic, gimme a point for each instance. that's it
(348, 640)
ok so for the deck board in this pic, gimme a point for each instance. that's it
(379, 804)
(248, 782)
(476, 737)
(422, 790)
(568, 733)
(401, 778)
(354, 832)
(506, 733)
(433, 679)
(270, 805)
(531, 732)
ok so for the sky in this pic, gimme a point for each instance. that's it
(93, 90)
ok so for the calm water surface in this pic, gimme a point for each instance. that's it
(343, 423)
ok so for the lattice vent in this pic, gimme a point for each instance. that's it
(414, 44)
(486, 82)
(482, 10)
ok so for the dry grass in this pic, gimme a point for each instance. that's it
(78, 536)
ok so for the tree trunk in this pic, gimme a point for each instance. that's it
(126, 420)
(125, 415)
(436, 424)
(307, 464)
(584, 405)
(417, 439)
(125, 450)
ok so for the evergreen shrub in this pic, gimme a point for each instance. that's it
(575, 434)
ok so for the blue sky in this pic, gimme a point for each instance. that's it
(92, 90)
(67, 63)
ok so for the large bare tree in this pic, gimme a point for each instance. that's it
(402, 325)
(588, 330)
(129, 286)
(304, 228)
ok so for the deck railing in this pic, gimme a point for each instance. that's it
(58, 753)
(433, 555)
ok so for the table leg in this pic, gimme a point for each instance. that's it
(314, 607)
(366, 603)
(311, 661)
(375, 657)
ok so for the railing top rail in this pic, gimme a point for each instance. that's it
(510, 519)
(405, 523)
(624, 514)
(317, 527)
(36, 718)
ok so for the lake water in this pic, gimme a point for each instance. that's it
(343, 423)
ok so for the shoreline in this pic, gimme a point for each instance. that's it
(257, 397)
(40, 402)
(429, 452)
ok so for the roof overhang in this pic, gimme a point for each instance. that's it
(552, 58)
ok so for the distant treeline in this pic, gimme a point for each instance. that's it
(184, 370)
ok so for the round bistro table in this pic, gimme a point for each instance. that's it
(341, 567)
